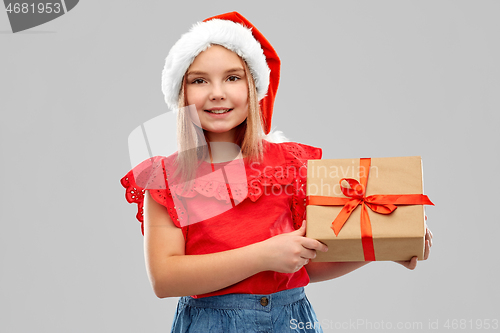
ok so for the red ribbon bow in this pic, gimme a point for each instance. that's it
(379, 203)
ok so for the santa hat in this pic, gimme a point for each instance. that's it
(237, 34)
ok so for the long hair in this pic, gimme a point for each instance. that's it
(191, 138)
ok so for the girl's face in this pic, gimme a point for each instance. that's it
(216, 84)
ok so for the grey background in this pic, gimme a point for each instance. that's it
(359, 78)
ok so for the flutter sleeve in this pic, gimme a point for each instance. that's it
(297, 155)
(152, 175)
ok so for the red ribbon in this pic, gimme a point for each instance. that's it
(379, 203)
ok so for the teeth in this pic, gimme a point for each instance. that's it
(219, 111)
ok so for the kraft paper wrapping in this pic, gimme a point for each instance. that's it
(397, 236)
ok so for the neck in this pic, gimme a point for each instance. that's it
(228, 136)
(224, 152)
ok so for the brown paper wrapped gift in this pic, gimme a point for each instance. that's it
(396, 234)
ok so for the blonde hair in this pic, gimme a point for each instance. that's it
(191, 138)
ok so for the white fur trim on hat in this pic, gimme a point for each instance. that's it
(276, 137)
(202, 35)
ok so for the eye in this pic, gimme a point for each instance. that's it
(198, 81)
(233, 78)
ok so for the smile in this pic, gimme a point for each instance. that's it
(219, 111)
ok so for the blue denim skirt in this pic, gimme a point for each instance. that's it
(284, 311)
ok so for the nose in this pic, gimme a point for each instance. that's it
(217, 93)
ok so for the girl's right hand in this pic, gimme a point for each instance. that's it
(288, 252)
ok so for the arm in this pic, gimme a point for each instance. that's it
(322, 271)
(172, 273)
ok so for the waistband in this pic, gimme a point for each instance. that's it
(263, 302)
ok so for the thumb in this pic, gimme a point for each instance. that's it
(302, 230)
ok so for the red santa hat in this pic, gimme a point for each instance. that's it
(237, 34)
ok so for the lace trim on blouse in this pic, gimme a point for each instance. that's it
(287, 168)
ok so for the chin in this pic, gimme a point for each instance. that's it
(218, 131)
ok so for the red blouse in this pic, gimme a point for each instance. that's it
(233, 205)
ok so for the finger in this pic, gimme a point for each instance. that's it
(428, 236)
(313, 244)
(427, 250)
(308, 254)
(430, 242)
(302, 230)
(413, 263)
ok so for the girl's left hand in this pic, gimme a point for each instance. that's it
(411, 264)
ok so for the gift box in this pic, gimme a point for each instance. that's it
(367, 209)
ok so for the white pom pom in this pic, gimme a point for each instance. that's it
(276, 136)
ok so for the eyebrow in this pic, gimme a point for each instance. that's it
(232, 70)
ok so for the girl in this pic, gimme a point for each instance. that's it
(223, 217)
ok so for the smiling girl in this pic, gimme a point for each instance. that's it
(224, 222)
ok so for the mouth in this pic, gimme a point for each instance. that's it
(218, 111)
